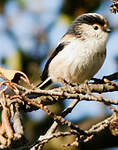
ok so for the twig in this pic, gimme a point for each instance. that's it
(17, 125)
(54, 126)
(114, 6)
(43, 140)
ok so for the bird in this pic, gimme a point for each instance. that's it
(80, 53)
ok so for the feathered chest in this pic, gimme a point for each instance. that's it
(78, 61)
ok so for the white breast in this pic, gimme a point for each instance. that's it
(78, 61)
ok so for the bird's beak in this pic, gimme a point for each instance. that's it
(108, 30)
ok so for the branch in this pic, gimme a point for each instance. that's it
(32, 98)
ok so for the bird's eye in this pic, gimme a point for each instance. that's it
(95, 27)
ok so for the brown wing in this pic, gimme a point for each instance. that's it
(54, 53)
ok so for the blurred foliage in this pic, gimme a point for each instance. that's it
(30, 60)
(23, 60)
(77, 7)
(2, 5)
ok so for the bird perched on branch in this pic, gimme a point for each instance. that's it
(80, 52)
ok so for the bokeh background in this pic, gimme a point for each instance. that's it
(29, 31)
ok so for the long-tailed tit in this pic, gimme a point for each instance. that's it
(80, 52)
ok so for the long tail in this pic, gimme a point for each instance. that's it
(45, 83)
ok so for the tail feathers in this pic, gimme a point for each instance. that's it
(45, 83)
